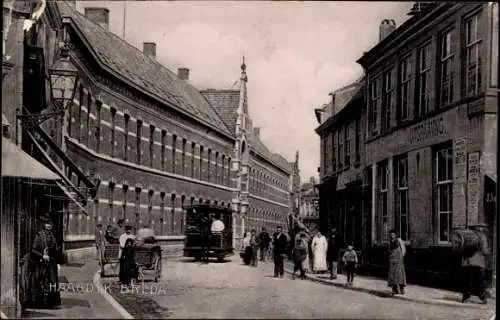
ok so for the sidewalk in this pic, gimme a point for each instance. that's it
(413, 293)
(81, 297)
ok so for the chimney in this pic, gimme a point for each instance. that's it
(99, 16)
(149, 49)
(256, 132)
(183, 73)
(386, 27)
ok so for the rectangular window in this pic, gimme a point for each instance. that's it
(209, 162)
(193, 148)
(113, 132)
(401, 196)
(87, 126)
(358, 140)
(383, 205)
(151, 145)
(162, 212)
(334, 152)
(223, 169)
(388, 88)
(174, 151)
(347, 153)
(217, 167)
(325, 153)
(340, 143)
(79, 120)
(97, 131)
(183, 162)
(201, 162)
(228, 171)
(444, 192)
(138, 141)
(423, 88)
(126, 118)
(404, 89)
(445, 69)
(373, 105)
(163, 149)
(473, 56)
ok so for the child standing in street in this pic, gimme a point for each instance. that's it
(350, 260)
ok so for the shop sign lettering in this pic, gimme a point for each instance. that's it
(473, 187)
(426, 130)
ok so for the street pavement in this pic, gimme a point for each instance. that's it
(231, 290)
(79, 295)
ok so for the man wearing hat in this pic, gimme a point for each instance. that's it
(42, 291)
(332, 254)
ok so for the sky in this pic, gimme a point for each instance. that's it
(296, 54)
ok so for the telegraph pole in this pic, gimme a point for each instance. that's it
(124, 18)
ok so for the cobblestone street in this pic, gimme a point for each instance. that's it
(232, 290)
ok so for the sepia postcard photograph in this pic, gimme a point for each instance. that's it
(178, 159)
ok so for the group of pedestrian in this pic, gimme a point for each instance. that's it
(256, 247)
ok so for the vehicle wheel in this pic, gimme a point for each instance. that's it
(157, 264)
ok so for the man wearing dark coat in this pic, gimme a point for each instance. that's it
(280, 246)
(474, 268)
(42, 285)
(332, 254)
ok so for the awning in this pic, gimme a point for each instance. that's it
(493, 177)
(18, 164)
(5, 122)
(72, 197)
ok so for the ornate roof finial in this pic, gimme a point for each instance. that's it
(243, 70)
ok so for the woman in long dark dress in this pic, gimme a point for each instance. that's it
(42, 285)
(128, 267)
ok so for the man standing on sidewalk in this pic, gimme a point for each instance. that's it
(474, 269)
(332, 254)
(280, 244)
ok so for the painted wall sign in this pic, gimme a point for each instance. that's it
(459, 177)
(473, 188)
(427, 129)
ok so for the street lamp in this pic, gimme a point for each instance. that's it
(63, 79)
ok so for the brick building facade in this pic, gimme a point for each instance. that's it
(429, 130)
(148, 139)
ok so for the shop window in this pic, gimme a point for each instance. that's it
(424, 85)
(401, 196)
(446, 72)
(403, 113)
(383, 198)
(473, 63)
(444, 192)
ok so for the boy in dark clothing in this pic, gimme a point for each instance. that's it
(350, 260)
(332, 254)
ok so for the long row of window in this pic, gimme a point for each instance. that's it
(129, 144)
(393, 90)
(262, 184)
(442, 192)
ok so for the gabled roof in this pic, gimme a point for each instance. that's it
(258, 147)
(225, 103)
(141, 71)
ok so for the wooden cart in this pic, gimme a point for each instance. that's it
(148, 258)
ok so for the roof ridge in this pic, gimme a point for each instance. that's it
(70, 12)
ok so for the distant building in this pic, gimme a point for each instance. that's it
(309, 204)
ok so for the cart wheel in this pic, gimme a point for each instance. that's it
(140, 273)
(157, 264)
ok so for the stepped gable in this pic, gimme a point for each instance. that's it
(225, 103)
(149, 75)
